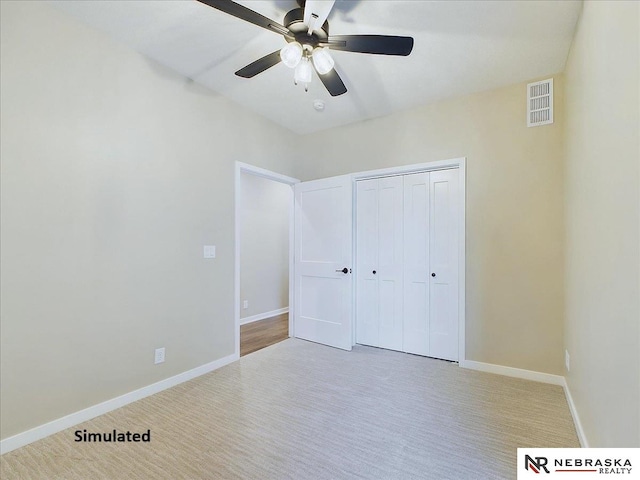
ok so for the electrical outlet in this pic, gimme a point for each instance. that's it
(245, 304)
(567, 360)
(159, 358)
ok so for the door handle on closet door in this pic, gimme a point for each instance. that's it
(344, 270)
(433, 274)
(374, 272)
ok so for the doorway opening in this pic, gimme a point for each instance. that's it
(264, 232)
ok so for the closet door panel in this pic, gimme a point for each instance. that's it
(367, 313)
(416, 264)
(390, 259)
(443, 313)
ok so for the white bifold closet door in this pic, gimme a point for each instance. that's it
(379, 265)
(407, 233)
(416, 264)
(443, 257)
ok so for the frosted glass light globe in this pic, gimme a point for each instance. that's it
(303, 72)
(291, 54)
(322, 60)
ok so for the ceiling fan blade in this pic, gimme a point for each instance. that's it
(259, 65)
(333, 83)
(318, 10)
(246, 14)
(377, 44)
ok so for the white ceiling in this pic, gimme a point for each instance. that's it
(460, 47)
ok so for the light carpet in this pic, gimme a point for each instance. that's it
(298, 410)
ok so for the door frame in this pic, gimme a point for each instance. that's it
(241, 168)
(460, 164)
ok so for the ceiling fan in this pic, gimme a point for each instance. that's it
(306, 31)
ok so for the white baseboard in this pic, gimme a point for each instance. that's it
(536, 377)
(574, 413)
(514, 372)
(262, 316)
(68, 421)
(55, 426)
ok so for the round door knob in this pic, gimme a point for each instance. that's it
(374, 272)
(433, 274)
(344, 270)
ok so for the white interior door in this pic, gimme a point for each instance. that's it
(367, 311)
(416, 263)
(322, 252)
(389, 268)
(379, 262)
(407, 263)
(443, 314)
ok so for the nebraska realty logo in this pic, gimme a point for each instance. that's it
(583, 463)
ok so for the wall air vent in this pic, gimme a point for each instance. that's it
(540, 103)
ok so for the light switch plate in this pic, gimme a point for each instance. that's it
(209, 251)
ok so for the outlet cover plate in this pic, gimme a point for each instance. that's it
(159, 356)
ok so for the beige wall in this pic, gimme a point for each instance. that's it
(115, 173)
(264, 244)
(514, 211)
(602, 331)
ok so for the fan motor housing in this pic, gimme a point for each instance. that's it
(294, 21)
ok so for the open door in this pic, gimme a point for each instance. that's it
(322, 256)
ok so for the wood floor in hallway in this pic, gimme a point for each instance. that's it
(257, 335)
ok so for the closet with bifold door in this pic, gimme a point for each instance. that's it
(407, 263)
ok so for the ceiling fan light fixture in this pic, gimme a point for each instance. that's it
(291, 54)
(322, 60)
(303, 72)
(303, 29)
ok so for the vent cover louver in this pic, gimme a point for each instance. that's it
(540, 103)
